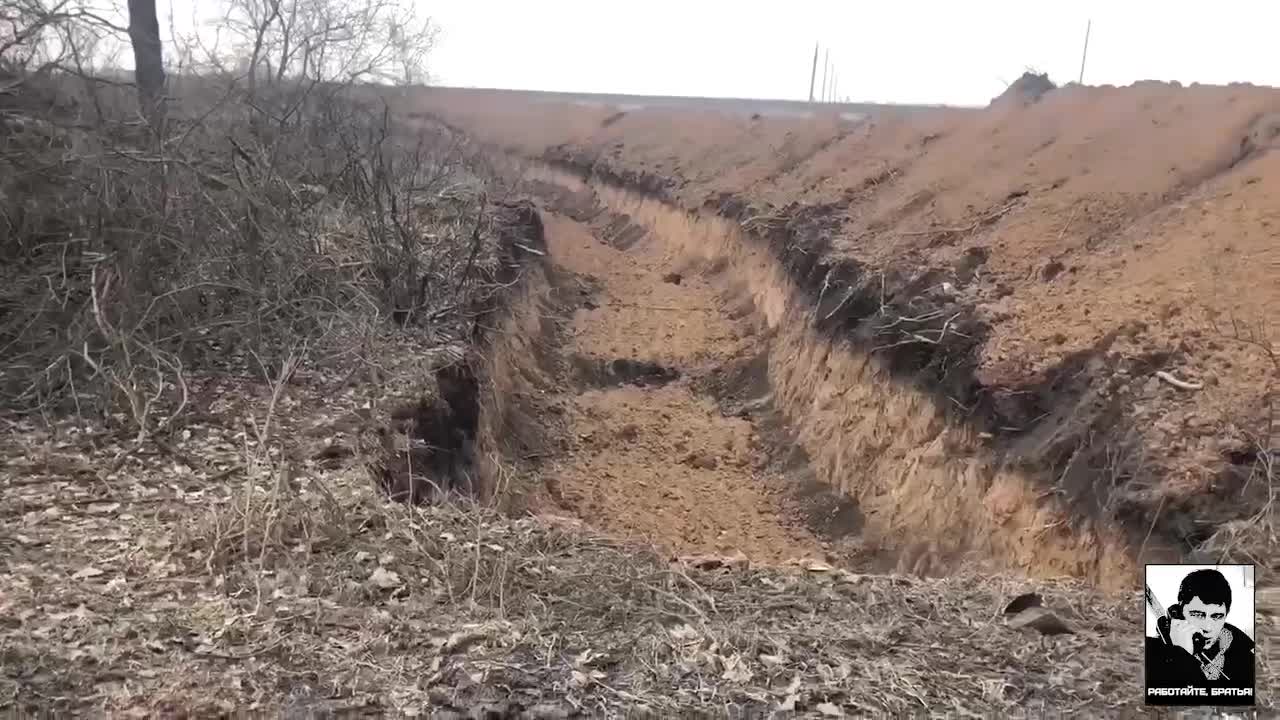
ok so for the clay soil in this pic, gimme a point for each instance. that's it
(1101, 242)
(652, 456)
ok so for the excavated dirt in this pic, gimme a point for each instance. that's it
(919, 496)
(668, 436)
(1054, 320)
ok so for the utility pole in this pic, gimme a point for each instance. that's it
(1084, 55)
(813, 75)
(826, 67)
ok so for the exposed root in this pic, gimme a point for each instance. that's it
(1180, 384)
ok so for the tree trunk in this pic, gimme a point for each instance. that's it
(148, 60)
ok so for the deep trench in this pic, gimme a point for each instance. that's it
(669, 435)
(684, 394)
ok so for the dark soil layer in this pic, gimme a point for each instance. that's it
(429, 443)
(1084, 275)
(931, 338)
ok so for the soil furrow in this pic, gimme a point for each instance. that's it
(651, 456)
(872, 468)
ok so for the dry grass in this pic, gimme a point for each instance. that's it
(288, 586)
(257, 597)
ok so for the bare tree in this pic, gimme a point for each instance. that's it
(37, 36)
(148, 59)
(328, 41)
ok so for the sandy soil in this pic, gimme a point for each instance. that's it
(656, 460)
(1101, 241)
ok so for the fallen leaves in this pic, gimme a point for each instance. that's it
(197, 595)
(736, 671)
(385, 579)
(586, 679)
(464, 639)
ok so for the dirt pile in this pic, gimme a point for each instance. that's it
(909, 480)
(1082, 283)
(1028, 88)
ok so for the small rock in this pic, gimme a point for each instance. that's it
(1197, 422)
(815, 566)
(331, 453)
(702, 461)
(673, 278)
(735, 561)
(1052, 270)
(1041, 620)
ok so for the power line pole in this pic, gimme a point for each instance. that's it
(826, 67)
(1084, 55)
(813, 75)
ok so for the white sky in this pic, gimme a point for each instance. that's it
(930, 51)
(934, 51)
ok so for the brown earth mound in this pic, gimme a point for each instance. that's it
(1028, 88)
(1108, 256)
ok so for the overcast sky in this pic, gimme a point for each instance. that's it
(935, 51)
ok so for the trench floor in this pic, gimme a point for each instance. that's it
(652, 454)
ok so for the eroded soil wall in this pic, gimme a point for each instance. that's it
(924, 484)
(1087, 275)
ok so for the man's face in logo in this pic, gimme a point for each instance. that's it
(1206, 619)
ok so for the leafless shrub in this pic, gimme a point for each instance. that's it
(280, 206)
